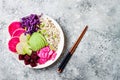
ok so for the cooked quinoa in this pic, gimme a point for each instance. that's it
(51, 33)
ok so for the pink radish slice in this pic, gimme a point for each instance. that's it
(53, 56)
(18, 32)
(13, 26)
(42, 60)
(12, 43)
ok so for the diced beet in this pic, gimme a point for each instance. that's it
(31, 61)
(27, 57)
(33, 64)
(34, 56)
(35, 61)
(26, 62)
(21, 57)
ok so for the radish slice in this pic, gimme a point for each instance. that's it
(18, 32)
(13, 26)
(12, 43)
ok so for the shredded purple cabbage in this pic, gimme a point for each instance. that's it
(30, 23)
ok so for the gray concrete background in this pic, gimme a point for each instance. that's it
(96, 58)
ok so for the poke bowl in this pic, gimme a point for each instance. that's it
(36, 41)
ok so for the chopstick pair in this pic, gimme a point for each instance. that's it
(72, 50)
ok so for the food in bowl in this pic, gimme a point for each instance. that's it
(35, 39)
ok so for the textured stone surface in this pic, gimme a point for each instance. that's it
(96, 58)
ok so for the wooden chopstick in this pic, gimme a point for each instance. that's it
(78, 40)
(72, 50)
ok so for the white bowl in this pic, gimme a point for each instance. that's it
(59, 50)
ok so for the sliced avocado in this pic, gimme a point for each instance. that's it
(27, 49)
(45, 41)
(36, 41)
